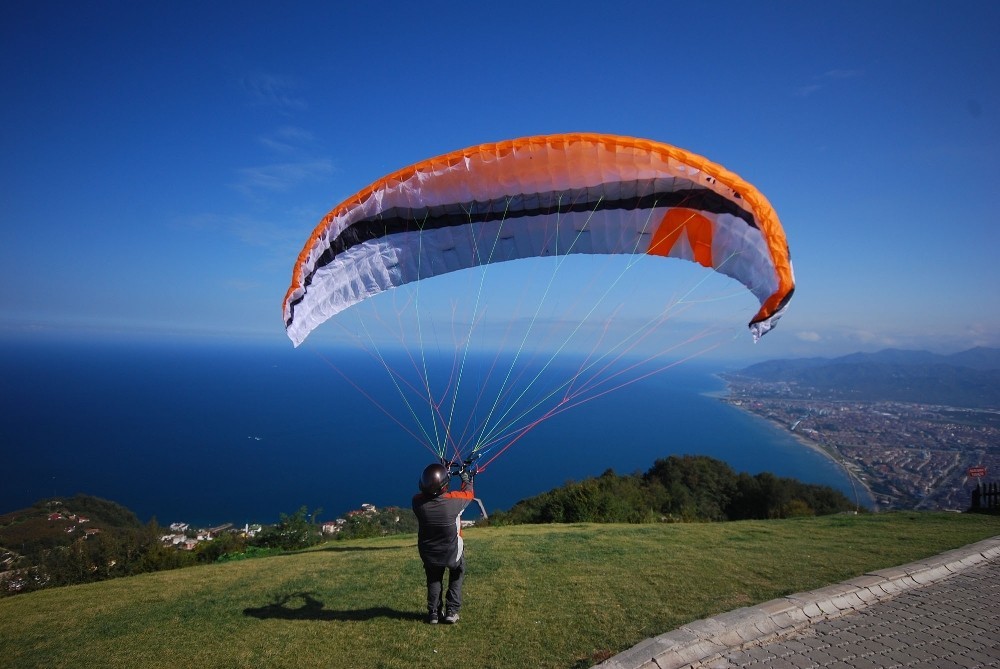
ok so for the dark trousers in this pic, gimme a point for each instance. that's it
(435, 576)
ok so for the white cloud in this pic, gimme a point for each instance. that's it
(243, 285)
(806, 91)
(826, 79)
(869, 338)
(281, 177)
(298, 163)
(835, 341)
(288, 140)
(252, 232)
(274, 91)
(842, 74)
(980, 334)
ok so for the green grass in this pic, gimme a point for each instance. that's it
(536, 596)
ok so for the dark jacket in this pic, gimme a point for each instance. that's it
(439, 539)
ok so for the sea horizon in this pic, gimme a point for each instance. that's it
(212, 433)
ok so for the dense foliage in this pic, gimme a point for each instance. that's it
(678, 488)
(380, 523)
(63, 541)
(81, 539)
(78, 539)
(298, 530)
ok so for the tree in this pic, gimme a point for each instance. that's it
(687, 488)
(227, 543)
(699, 487)
(292, 532)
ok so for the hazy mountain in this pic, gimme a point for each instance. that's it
(976, 358)
(969, 379)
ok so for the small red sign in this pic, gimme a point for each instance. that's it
(977, 472)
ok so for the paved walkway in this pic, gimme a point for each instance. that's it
(942, 612)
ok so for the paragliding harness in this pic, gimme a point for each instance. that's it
(466, 470)
(466, 467)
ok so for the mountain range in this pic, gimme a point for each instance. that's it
(967, 379)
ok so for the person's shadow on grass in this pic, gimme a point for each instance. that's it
(286, 608)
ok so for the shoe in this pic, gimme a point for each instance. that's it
(432, 618)
(451, 618)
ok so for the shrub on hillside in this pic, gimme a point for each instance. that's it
(678, 488)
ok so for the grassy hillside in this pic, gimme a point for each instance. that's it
(539, 596)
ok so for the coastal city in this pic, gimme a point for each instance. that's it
(908, 455)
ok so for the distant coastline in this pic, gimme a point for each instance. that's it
(910, 426)
(725, 396)
(126, 443)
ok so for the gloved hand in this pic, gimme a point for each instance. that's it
(466, 477)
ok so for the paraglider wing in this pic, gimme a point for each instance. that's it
(540, 196)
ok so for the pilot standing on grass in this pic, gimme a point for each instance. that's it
(439, 538)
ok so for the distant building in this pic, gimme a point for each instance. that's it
(251, 530)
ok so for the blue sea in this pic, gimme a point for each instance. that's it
(213, 433)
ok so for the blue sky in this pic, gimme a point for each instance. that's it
(163, 163)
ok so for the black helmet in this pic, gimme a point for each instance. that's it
(434, 479)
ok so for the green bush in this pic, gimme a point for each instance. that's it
(678, 488)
